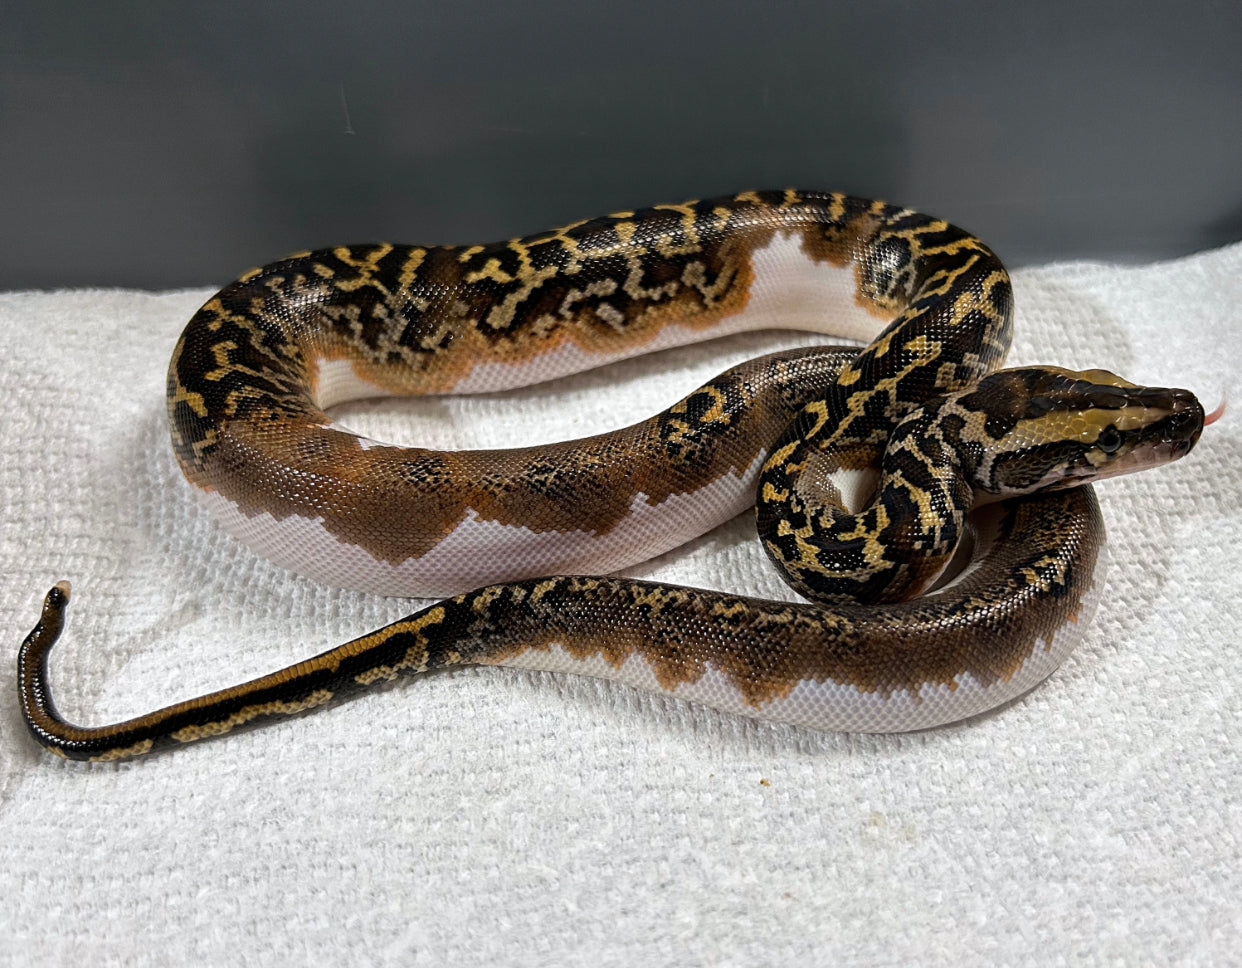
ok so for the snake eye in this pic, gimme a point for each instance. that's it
(1109, 439)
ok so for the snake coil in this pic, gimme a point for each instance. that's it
(863, 463)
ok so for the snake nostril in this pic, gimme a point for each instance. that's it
(1181, 428)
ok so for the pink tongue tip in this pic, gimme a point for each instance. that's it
(1216, 414)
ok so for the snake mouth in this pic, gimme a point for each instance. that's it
(1181, 429)
(1166, 439)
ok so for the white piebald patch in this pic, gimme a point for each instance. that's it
(838, 706)
(790, 291)
(856, 487)
(793, 291)
(479, 552)
(338, 382)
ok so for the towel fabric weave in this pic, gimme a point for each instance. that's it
(493, 817)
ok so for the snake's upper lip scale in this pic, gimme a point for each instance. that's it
(1184, 423)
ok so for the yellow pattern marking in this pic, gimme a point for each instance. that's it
(189, 734)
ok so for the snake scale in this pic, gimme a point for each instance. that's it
(863, 465)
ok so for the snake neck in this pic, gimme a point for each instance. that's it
(847, 535)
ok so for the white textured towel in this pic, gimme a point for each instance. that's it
(492, 817)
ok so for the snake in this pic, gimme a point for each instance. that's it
(934, 508)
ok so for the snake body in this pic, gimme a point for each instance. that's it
(810, 431)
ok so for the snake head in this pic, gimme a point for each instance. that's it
(1048, 428)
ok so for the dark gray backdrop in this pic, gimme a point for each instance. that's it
(168, 144)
